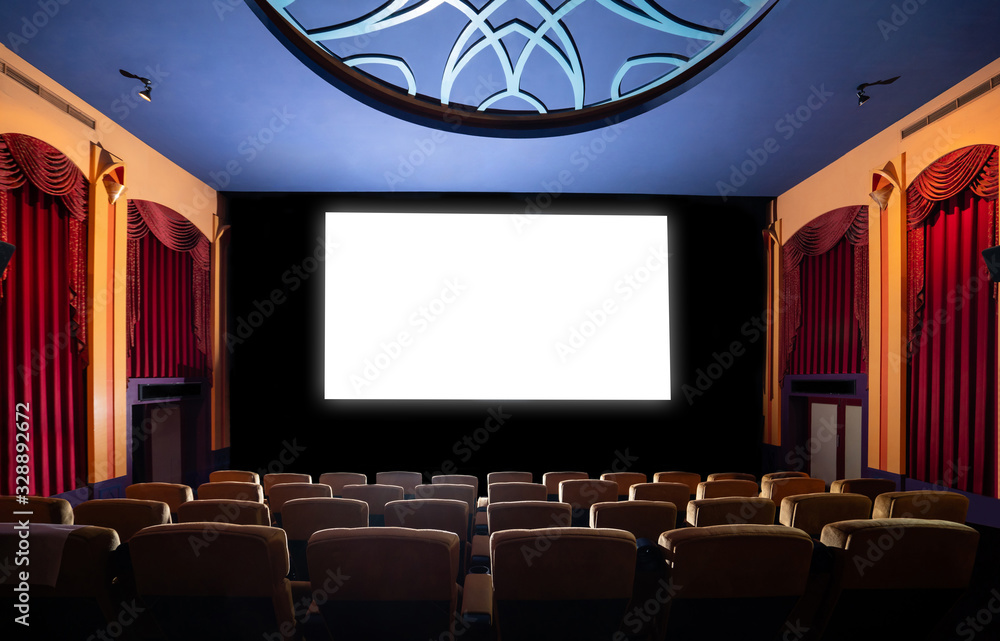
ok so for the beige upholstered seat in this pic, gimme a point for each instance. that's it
(777, 489)
(582, 493)
(395, 583)
(728, 476)
(270, 480)
(43, 509)
(406, 480)
(232, 490)
(224, 511)
(810, 512)
(625, 480)
(734, 581)
(921, 504)
(231, 584)
(789, 474)
(726, 487)
(869, 487)
(688, 478)
(895, 578)
(173, 494)
(376, 496)
(551, 482)
(301, 518)
(644, 519)
(240, 476)
(124, 516)
(677, 493)
(284, 492)
(337, 480)
(730, 510)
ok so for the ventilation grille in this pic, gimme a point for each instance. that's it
(34, 87)
(961, 101)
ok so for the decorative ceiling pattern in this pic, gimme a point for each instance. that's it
(511, 67)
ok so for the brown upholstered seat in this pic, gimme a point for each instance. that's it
(734, 581)
(788, 474)
(232, 490)
(562, 584)
(394, 583)
(519, 515)
(284, 492)
(124, 516)
(582, 493)
(457, 479)
(688, 478)
(625, 480)
(644, 519)
(450, 515)
(337, 480)
(895, 578)
(677, 493)
(301, 518)
(728, 476)
(229, 584)
(515, 491)
(376, 496)
(224, 511)
(810, 512)
(730, 510)
(777, 489)
(240, 476)
(869, 487)
(726, 487)
(173, 494)
(44, 509)
(270, 480)
(406, 480)
(921, 504)
(551, 482)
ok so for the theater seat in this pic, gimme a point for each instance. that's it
(921, 504)
(551, 482)
(386, 583)
(726, 487)
(730, 510)
(233, 490)
(449, 515)
(688, 478)
(124, 516)
(304, 517)
(811, 512)
(729, 476)
(734, 581)
(173, 494)
(789, 474)
(895, 578)
(406, 480)
(240, 476)
(271, 480)
(526, 515)
(284, 492)
(581, 494)
(778, 488)
(44, 510)
(224, 511)
(869, 487)
(515, 491)
(561, 584)
(457, 479)
(229, 584)
(677, 493)
(625, 480)
(644, 519)
(337, 480)
(376, 496)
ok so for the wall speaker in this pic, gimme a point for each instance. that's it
(6, 251)
(991, 257)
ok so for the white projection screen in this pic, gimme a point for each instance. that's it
(486, 306)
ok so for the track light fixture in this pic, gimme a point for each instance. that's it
(863, 97)
(146, 91)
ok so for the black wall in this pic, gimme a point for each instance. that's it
(280, 421)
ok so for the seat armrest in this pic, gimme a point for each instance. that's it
(477, 601)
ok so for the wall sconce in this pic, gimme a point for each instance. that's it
(115, 189)
(863, 97)
(146, 91)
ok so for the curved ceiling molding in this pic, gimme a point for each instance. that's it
(513, 68)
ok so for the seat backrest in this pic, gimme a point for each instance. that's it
(457, 479)
(730, 510)
(124, 516)
(376, 496)
(777, 489)
(734, 581)
(528, 515)
(790, 474)
(240, 476)
(270, 480)
(625, 480)
(690, 479)
(551, 482)
(644, 519)
(397, 583)
(457, 491)
(896, 578)
(284, 492)
(677, 493)
(582, 493)
(229, 581)
(301, 518)
(921, 504)
(43, 509)
(726, 487)
(224, 511)
(233, 490)
(449, 515)
(561, 583)
(508, 477)
(869, 487)
(515, 491)
(406, 480)
(727, 476)
(70, 580)
(173, 494)
(337, 480)
(810, 512)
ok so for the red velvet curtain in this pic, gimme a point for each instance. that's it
(824, 298)
(169, 294)
(953, 351)
(43, 298)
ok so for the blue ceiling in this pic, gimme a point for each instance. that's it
(235, 108)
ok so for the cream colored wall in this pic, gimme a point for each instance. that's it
(847, 180)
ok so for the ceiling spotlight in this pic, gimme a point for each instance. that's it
(145, 93)
(863, 97)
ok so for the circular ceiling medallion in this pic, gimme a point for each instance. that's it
(513, 68)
